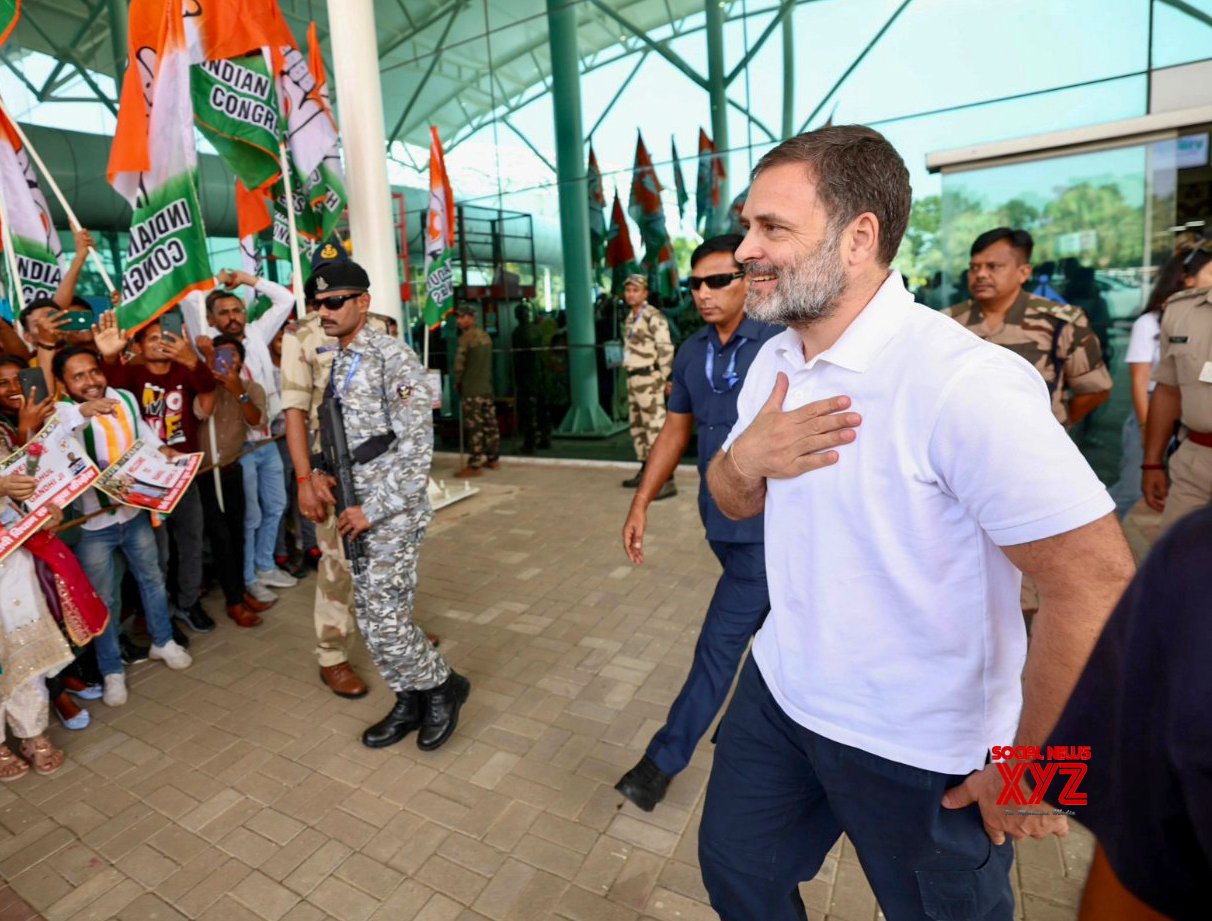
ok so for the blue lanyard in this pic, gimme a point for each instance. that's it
(730, 375)
(353, 369)
(636, 319)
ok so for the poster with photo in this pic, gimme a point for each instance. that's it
(62, 470)
(145, 478)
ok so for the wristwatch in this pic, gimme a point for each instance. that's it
(244, 397)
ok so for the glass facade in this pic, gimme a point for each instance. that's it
(930, 75)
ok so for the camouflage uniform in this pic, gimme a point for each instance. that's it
(307, 356)
(1186, 364)
(473, 374)
(1055, 338)
(648, 360)
(383, 388)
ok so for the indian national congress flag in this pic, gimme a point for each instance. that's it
(236, 108)
(439, 238)
(152, 165)
(35, 242)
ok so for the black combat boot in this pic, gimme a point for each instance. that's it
(442, 711)
(404, 717)
(635, 480)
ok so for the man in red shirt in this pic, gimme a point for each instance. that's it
(165, 378)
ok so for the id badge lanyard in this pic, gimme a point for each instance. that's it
(730, 375)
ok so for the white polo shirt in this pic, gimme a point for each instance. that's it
(895, 624)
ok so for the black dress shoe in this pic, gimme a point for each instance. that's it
(179, 634)
(645, 784)
(442, 712)
(668, 490)
(635, 480)
(404, 717)
(131, 651)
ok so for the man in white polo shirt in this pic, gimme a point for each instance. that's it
(908, 471)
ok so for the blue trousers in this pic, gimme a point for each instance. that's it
(780, 796)
(264, 505)
(96, 551)
(737, 609)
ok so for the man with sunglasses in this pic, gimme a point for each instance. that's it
(707, 374)
(386, 406)
(648, 361)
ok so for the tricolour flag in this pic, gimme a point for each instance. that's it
(597, 211)
(439, 238)
(236, 108)
(679, 182)
(10, 12)
(152, 165)
(35, 241)
(711, 174)
(620, 254)
(325, 185)
(252, 217)
(646, 210)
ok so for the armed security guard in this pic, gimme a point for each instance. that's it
(1055, 338)
(708, 372)
(385, 408)
(648, 361)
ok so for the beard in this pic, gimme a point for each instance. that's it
(805, 292)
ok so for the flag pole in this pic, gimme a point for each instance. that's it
(10, 256)
(54, 187)
(295, 267)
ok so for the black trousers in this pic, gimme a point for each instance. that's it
(225, 529)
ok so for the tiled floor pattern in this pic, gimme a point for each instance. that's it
(237, 791)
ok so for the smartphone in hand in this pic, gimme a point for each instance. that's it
(33, 385)
(172, 323)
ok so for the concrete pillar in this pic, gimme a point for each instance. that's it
(360, 114)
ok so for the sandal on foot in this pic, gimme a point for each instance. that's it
(42, 755)
(11, 767)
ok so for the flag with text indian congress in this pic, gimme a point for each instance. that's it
(439, 238)
(152, 165)
(35, 241)
(236, 109)
(325, 185)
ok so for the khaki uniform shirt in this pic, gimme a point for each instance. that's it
(307, 355)
(1186, 355)
(1055, 338)
(647, 343)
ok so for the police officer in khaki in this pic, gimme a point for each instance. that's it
(1055, 338)
(648, 361)
(1183, 394)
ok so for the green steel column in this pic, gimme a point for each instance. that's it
(789, 74)
(717, 88)
(118, 31)
(585, 416)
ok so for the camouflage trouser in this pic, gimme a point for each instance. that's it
(646, 398)
(334, 596)
(480, 425)
(385, 593)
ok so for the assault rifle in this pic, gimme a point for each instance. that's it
(338, 462)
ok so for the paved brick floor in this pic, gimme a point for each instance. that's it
(238, 790)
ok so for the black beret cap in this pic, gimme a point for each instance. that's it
(345, 275)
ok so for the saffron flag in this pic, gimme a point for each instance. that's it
(10, 12)
(236, 108)
(597, 212)
(679, 183)
(35, 241)
(252, 217)
(646, 210)
(439, 238)
(152, 165)
(711, 174)
(620, 254)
